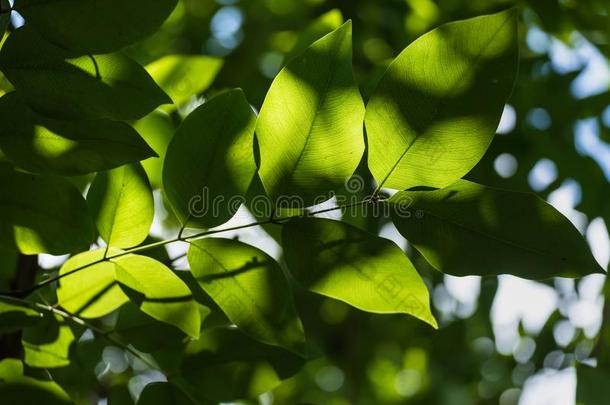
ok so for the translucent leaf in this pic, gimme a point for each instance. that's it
(42, 214)
(157, 129)
(16, 388)
(224, 365)
(44, 145)
(250, 288)
(437, 107)
(184, 76)
(319, 27)
(310, 125)
(95, 26)
(59, 84)
(47, 345)
(209, 163)
(340, 261)
(93, 291)
(122, 205)
(468, 228)
(158, 292)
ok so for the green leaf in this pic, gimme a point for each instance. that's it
(161, 393)
(59, 84)
(95, 26)
(43, 145)
(592, 386)
(90, 291)
(468, 228)
(16, 388)
(157, 129)
(47, 345)
(437, 107)
(184, 76)
(121, 202)
(310, 125)
(340, 261)
(250, 288)
(15, 316)
(42, 214)
(319, 27)
(224, 365)
(209, 163)
(158, 292)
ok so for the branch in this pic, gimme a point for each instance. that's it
(180, 238)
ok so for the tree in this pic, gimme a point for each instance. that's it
(103, 132)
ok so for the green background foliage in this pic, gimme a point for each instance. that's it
(278, 201)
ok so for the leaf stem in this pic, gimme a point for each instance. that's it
(180, 238)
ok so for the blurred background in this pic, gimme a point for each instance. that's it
(501, 340)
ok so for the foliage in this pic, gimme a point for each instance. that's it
(113, 100)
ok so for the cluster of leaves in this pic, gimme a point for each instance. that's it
(76, 110)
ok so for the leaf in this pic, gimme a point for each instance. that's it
(327, 22)
(160, 393)
(340, 261)
(437, 107)
(157, 129)
(95, 26)
(158, 292)
(16, 388)
(42, 214)
(43, 145)
(250, 288)
(224, 365)
(59, 84)
(47, 345)
(592, 385)
(184, 76)
(93, 291)
(121, 202)
(15, 316)
(470, 229)
(209, 163)
(310, 125)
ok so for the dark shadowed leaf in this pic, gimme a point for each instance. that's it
(4, 17)
(17, 388)
(95, 26)
(310, 125)
(157, 129)
(438, 105)
(209, 163)
(224, 365)
(340, 261)
(15, 316)
(43, 145)
(62, 85)
(470, 229)
(121, 203)
(42, 214)
(250, 288)
(162, 393)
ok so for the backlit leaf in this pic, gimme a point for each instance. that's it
(437, 107)
(15, 316)
(184, 76)
(17, 388)
(250, 288)
(310, 125)
(158, 292)
(122, 205)
(470, 229)
(47, 345)
(209, 163)
(340, 261)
